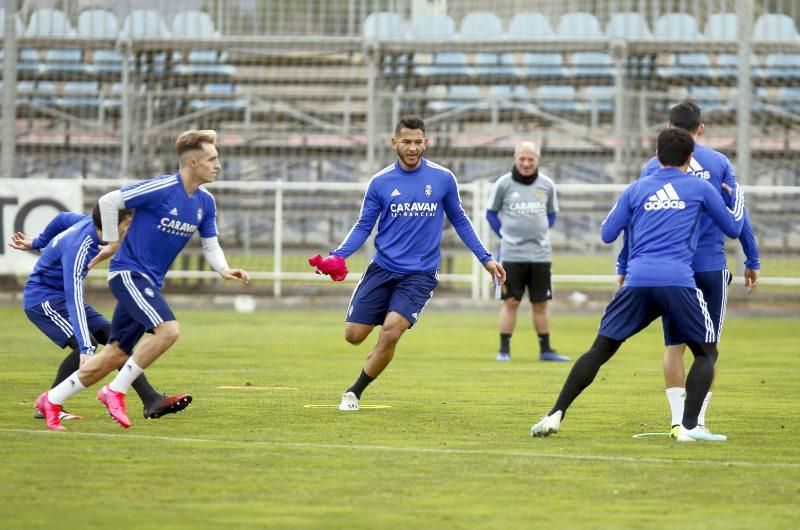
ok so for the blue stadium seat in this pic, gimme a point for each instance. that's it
(557, 98)
(774, 27)
(530, 26)
(65, 61)
(676, 26)
(728, 65)
(782, 65)
(98, 23)
(688, 65)
(220, 96)
(448, 63)
(193, 23)
(40, 93)
(628, 26)
(507, 96)
(709, 98)
(579, 25)
(592, 64)
(384, 25)
(543, 65)
(457, 96)
(30, 61)
(789, 99)
(207, 63)
(49, 22)
(495, 64)
(80, 95)
(722, 26)
(481, 25)
(107, 61)
(599, 98)
(144, 23)
(434, 27)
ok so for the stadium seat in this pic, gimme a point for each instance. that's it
(40, 93)
(495, 64)
(30, 61)
(206, 63)
(782, 65)
(107, 61)
(220, 96)
(728, 65)
(49, 22)
(543, 65)
(64, 61)
(506, 96)
(447, 63)
(144, 23)
(628, 26)
(687, 65)
(722, 26)
(599, 98)
(481, 25)
(98, 23)
(193, 23)
(384, 25)
(775, 27)
(434, 27)
(80, 95)
(789, 99)
(579, 25)
(592, 64)
(530, 26)
(709, 98)
(557, 98)
(676, 26)
(457, 96)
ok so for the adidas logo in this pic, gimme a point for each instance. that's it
(664, 199)
(697, 169)
(515, 195)
(174, 211)
(395, 193)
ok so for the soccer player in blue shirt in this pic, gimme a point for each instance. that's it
(409, 200)
(709, 264)
(53, 300)
(169, 210)
(660, 214)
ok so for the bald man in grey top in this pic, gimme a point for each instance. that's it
(522, 208)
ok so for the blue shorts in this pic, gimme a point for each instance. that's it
(52, 318)
(140, 308)
(683, 311)
(380, 291)
(714, 285)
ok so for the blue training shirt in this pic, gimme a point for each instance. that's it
(410, 207)
(661, 215)
(58, 224)
(714, 167)
(60, 272)
(165, 218)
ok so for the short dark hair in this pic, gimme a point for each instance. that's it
(675, 146)
(686, 115)
(409, 121)
(98, 220)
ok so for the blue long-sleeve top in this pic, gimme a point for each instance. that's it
(58, 224)
(60, 272)
(714, 167)
(410, 208)
(661, 215)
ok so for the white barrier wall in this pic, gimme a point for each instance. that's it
(27, 205)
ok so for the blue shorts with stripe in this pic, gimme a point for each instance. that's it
(380, 291)
(714, 285)
(140, 308)
(682, 309)
(52, 319)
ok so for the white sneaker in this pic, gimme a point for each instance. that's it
(349, 402)
(503, 357)
(548, 425)
(699, 434)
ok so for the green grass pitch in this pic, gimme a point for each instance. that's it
(452, 451)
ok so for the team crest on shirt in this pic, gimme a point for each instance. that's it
(199, 214)
(428, 190)
(538, 194)
(149, 292)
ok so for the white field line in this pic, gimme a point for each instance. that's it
(422, 450)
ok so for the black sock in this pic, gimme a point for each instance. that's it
(544, 342)
(584, 371)
(146, 392)
(505, 343)
(68, 366)
(698, 380)
(361, 384)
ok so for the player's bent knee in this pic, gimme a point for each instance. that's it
(169, 331)
(355, 334)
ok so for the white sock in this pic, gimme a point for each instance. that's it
(65, 389)
(701, 419)
(129, 371)
(676, 396)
